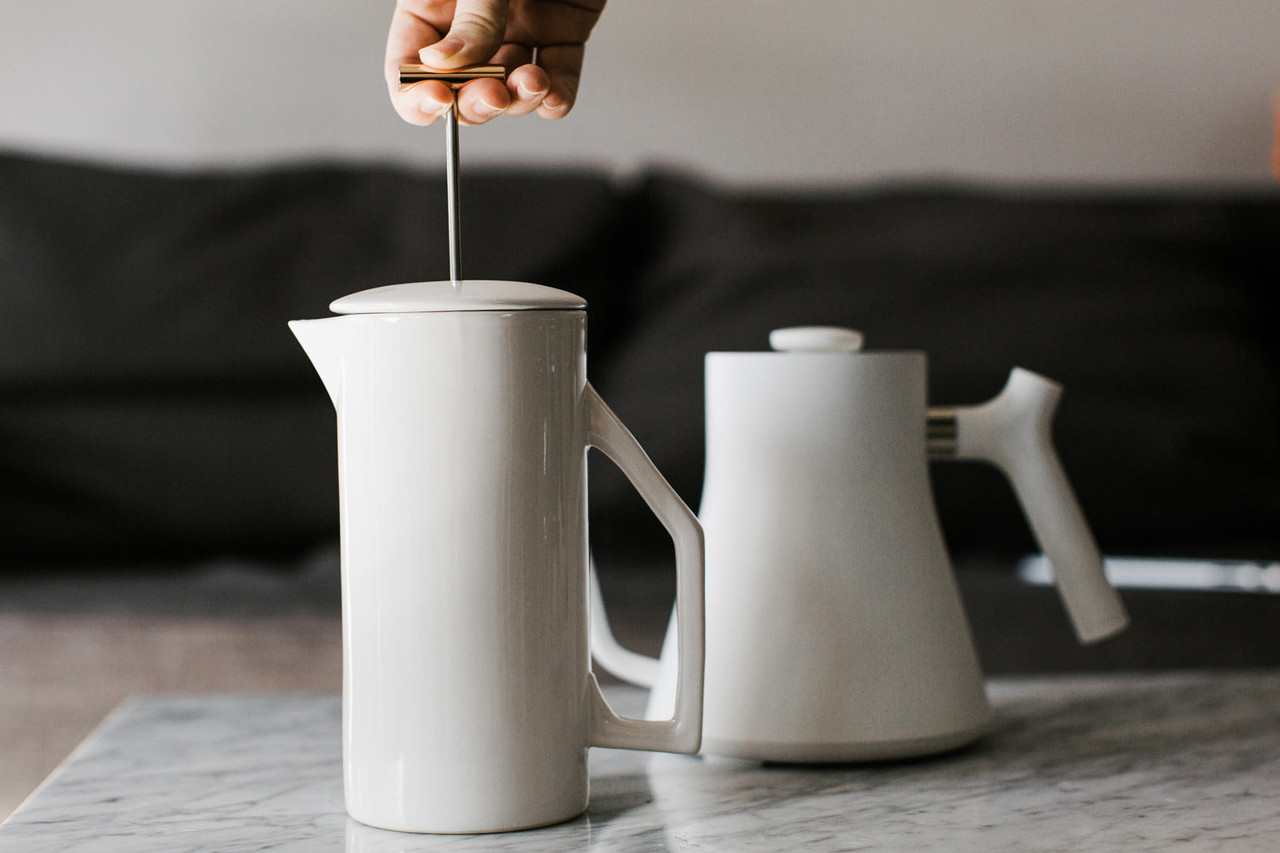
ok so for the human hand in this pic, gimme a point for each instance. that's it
(449, 34)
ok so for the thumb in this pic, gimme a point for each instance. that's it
(474, 36)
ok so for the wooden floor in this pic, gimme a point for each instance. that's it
(61, 673)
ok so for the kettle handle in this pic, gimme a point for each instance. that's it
(683, 732)
(634, 667)
(1013, 432)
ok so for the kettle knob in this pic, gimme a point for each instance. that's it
(815, 339)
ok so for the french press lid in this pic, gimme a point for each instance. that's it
(436, 296)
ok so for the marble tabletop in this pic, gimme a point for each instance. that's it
(1119, 762)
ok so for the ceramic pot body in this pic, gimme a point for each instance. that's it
(468, 700)
(464, 570)
(835, 630)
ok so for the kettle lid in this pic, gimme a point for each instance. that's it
(435, 296)
(815, 339)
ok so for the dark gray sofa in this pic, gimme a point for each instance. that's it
(155, 412)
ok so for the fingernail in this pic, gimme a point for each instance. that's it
(485, 108)
(530, 94)
(442, 50)
(554, 102)
(434, 108)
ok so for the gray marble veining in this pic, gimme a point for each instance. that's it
(1134, 762)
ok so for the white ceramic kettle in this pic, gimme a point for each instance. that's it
(464, 419)
(835, 630)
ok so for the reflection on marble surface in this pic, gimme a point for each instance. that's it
(1075, 763)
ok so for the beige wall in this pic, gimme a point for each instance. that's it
(744, 90)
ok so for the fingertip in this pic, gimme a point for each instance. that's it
(529, 84)
(424, 102)
(554, 106)
(412, 108)
(431, 110)
(444, 53)
(483, 100)
(481, 111)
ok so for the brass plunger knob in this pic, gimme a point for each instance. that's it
(453, 78)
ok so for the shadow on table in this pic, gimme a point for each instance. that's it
(612, 797)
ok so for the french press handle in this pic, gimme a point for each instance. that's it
(683, 732)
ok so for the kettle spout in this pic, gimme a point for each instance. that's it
(322, 342)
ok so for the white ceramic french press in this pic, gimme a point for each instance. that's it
(835, 630)
(464, 420)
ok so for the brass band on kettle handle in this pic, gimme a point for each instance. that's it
(453, 77)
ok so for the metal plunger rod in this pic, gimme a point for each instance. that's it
(452, 165)
(410, 74)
